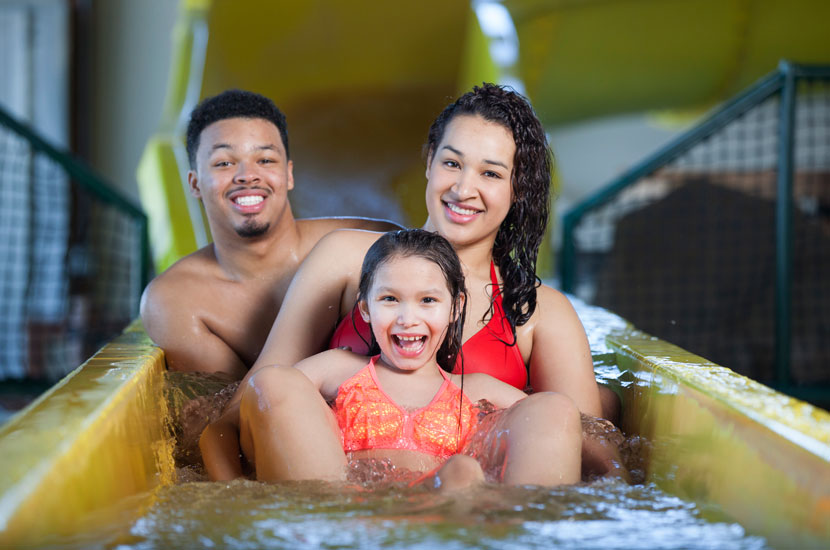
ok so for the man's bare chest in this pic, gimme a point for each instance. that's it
(242, 315)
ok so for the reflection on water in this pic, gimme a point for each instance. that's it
(378, 509)
(603, 514)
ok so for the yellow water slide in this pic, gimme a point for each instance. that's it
(87, 460)
(360, 82)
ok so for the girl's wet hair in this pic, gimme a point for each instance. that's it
(520, 234)
(436, 249)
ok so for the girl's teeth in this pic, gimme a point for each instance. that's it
(410, 341)
(459, 210)
(249, 200)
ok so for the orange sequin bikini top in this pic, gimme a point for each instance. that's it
(369, 419)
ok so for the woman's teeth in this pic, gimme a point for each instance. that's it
(459, 210)
(248, 200)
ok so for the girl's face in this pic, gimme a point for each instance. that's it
(409, 307)
(469, 175)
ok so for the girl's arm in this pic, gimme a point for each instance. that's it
(329, 369)
(560, 359)
(483, 386)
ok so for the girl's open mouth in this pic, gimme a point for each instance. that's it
(409, 345)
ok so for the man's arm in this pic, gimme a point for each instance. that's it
(188, 344)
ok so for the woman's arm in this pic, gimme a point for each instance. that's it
(560, 359)
(323, 285)
(321, 293)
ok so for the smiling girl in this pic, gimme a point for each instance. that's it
(403, 405)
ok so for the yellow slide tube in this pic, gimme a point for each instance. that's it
(96, 445)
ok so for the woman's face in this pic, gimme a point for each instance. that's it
(469, 174)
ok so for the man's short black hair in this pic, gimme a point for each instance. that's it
(232, 104)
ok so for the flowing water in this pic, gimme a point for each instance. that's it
(378, 509)
(604, 514)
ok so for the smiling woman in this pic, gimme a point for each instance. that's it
(469, 180)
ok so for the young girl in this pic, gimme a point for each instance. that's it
(402, 405)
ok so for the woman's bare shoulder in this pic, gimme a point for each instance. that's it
(551, 303)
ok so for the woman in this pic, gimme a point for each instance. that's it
(488, 189)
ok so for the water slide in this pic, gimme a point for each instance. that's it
(359, 85)
(91, 462)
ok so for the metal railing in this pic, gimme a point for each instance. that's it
(719, 242)
(74, 257)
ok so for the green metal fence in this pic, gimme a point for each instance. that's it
(74, 257)
(720, 241)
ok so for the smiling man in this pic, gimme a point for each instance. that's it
(212, 310)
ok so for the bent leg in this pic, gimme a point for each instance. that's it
(287, 430)
(540, 440)
(610, 404)
(601, 449)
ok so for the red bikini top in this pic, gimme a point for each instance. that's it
(488, 350)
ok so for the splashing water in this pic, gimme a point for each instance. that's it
(378, 508)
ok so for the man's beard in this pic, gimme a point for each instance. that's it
(252, 229)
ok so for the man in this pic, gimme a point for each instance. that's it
(212, 310)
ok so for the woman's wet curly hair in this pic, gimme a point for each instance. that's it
(520, 234)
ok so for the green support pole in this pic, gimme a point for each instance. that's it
(783, 226)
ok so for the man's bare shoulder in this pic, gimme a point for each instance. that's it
(347, 241)
(175, 285)
(201, 264)
(315, 228)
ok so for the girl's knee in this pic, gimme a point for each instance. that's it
(272, 386)
(459, 472)
(550, 406)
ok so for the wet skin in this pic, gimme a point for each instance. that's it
(212, 310)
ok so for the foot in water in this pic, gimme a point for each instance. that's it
(458, 473)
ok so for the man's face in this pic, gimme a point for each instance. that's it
(242, 176)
